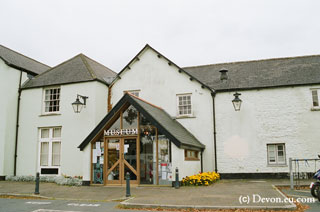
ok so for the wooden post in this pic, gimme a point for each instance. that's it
(105, 165)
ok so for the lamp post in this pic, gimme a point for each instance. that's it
(236, 101)
(78, 105)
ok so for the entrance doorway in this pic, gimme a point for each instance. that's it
(121, 158)
(130, 143)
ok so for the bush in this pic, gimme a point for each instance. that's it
(60, 180)
(201, 179)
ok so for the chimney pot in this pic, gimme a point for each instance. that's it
(224, 75)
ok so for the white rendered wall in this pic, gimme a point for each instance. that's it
(186, 168)
(159, 84)
(9, 86)
(86, 159)
(75, 126)
(281, 115)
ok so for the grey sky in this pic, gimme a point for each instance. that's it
(187, 32)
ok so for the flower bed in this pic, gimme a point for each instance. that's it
(60, 180)
(201, 179)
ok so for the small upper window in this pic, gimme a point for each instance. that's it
(276, 154)
(184, 105)
(52, 100)
(133, 92)
(315, 98)
(191, 154)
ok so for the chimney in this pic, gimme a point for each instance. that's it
(224, 75)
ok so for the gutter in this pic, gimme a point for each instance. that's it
(213, 95)
(17, 127)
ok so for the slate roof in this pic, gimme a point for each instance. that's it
(304, 70)
(77, 69)
(21, 62)
(179, 135)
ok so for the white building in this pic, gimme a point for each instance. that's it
(49, 130)
(15, 69)
(155, 116)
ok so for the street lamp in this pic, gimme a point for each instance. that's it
(236, 101)
(78, 105)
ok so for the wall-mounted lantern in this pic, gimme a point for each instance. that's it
(78, 105)
(236, 101)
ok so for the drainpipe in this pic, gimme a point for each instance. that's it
(201, 161)
(213, 94)
(17, 127)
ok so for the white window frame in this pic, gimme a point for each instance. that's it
(50, 140)
(133, 92)
(276, 162)
(178, 109)
(44, 101)
(317, 97)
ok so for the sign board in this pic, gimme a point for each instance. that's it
(121, 132)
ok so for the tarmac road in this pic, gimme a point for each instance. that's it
(314, 206)
(27, 205)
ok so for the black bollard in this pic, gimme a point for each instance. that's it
(128, 185)
(37, 184)
(177, 184)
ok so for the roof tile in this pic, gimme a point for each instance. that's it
(77, 69)
(21, 61)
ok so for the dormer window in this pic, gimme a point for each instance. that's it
(51, 100)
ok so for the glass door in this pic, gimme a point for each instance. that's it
(130, 159)
(121, 158)
(113, 161)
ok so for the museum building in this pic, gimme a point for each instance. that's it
(241, 119)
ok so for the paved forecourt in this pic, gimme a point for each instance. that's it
(255, 194)
(259, 194)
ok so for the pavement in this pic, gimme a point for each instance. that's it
(224, 194)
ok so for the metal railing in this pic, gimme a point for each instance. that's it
(300, 169)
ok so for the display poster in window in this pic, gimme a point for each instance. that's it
(117, 146)
(126, 147)
(170, 176)
(164, 175)
(97, 145)
(94, 156)
(98, 152)
(164, 166)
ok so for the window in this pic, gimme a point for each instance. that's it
(191, 154)
(315, 98)
(52, 100)
(276, 154)
(184, 105)
(133, 92)
(50, 150)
